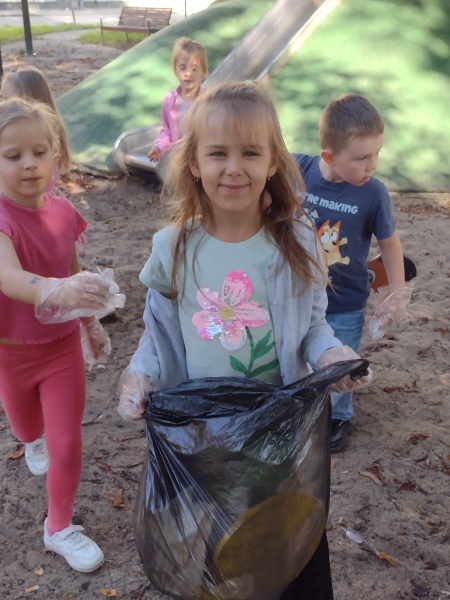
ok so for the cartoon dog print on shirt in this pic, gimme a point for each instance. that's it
(330, 238)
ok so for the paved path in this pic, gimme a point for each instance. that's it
(92, 15)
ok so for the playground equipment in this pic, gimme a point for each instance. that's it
(260, 55)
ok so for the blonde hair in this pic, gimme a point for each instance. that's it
(18, 108)
(350, 116)
(31, 84)
(247, 107)
(191, 47)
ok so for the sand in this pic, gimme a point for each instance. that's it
(401, 443)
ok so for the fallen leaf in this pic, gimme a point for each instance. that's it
(117, 500)
(33, 588)
(407, 486)
(39, 571)
(430, 565)
(341, 522)
(17, 454)
(67, 596)
(413, 438)
(392, 388)
(389, 559)
(108, 593)
(402, 532)
(371, 476)
(2, 409)
(376, 470)
(132, 436)
(102, 465)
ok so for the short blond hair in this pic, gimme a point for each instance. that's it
(350, 116)
(191, 47)
(17, 108)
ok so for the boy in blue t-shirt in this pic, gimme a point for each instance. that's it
(349, 205)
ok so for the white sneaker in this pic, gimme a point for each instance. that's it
(36, 457)
(81, 552)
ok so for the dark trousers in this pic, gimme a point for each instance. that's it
(314, 582)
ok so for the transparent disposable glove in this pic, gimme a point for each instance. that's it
(391, 309)
(85, 294)
(338, 354)
(95, 343)
(134, 387)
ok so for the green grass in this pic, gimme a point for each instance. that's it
(395, 52)
(13, 33)
(114, 38)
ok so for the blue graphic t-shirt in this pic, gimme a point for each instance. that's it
(346, 217)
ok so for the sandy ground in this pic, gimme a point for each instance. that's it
(391, 486)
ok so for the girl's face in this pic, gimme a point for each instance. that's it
(189, 72)
(26, 162)
(233, 168)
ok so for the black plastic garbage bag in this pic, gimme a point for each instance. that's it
(233, 499)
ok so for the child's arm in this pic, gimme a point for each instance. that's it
(159, 361)
(164, 139)
(90, 291)
(392, 255)
(393, 307)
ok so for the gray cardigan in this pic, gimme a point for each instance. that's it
(300, 329)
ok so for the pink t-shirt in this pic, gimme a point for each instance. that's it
(44, 241)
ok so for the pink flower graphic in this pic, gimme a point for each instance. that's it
(228, 313)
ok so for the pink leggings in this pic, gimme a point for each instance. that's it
(43, 389)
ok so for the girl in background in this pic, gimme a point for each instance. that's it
(191, 67)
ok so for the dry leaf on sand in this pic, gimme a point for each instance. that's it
(389, 559)
(17, 454)
(371, 476)
(108, 593)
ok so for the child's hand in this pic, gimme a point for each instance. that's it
(95, 342)
(82, 295)
(390, 311)
(338, 354)
(155, 154)
(135, 386)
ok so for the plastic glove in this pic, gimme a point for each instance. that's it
(391, 310)
(135, 386)
(85, 294)
(95, 343)
(338, 354)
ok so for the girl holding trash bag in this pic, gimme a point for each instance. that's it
(42, 294)
(237, 282)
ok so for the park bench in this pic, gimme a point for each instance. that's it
(139, 20)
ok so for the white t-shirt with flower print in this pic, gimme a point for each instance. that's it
(224, 313)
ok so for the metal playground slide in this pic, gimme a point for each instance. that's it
(259, 55)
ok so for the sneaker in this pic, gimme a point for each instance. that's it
(340, 431)
(36, 457)
(81, 552)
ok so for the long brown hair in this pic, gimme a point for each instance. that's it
(29, 83)
(246, 107)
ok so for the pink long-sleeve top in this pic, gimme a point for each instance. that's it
(173, 110)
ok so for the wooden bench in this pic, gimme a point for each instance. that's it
(139, 20)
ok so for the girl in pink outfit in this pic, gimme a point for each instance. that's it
(42, 291)
(191, 67)
(29, 83)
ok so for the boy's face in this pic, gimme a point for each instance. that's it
(357, 162)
